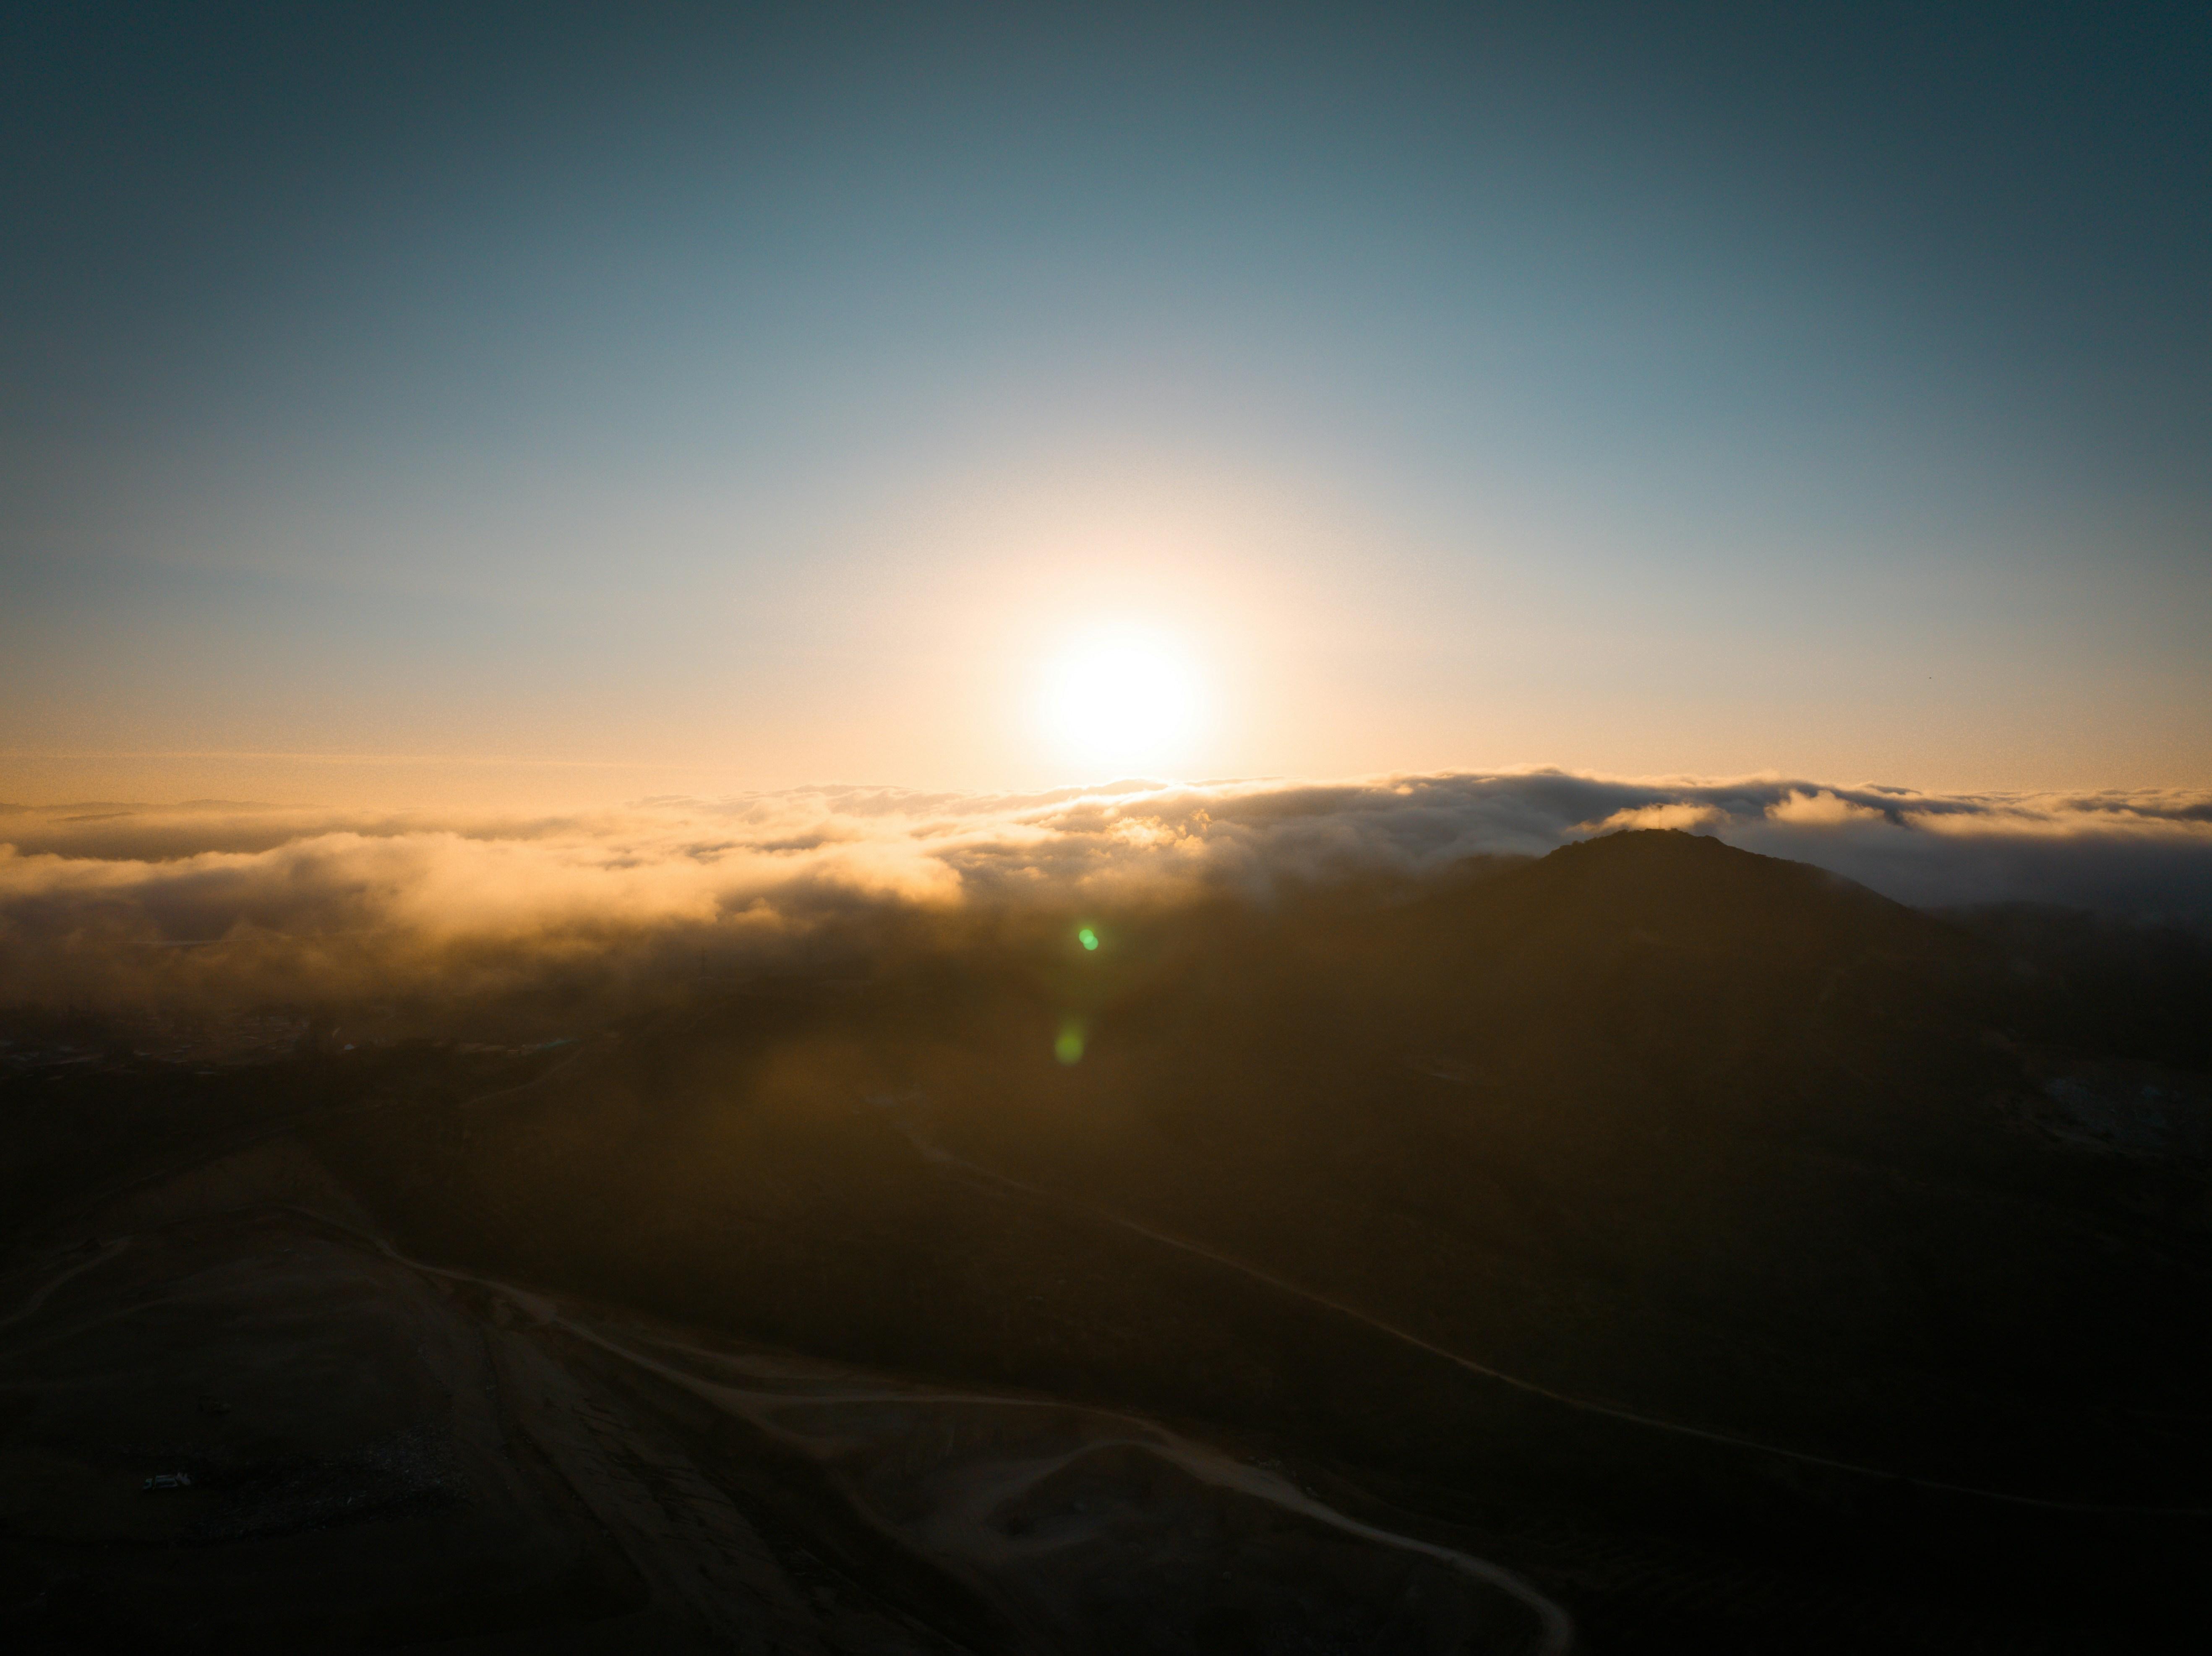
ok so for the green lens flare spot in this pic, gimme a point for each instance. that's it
(1068, 1046)
(1089, 938)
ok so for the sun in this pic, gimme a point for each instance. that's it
(1123, 696)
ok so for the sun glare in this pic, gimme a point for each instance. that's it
(1122, 698)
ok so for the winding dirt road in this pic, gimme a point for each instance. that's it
(1003, 1183)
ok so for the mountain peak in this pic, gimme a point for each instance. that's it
(1693, 887)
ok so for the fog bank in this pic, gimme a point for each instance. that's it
(130, 903)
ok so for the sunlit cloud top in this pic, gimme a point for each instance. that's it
(144, 904)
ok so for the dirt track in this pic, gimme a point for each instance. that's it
(388, 1455)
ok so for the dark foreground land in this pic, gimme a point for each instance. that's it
(1653, 1247)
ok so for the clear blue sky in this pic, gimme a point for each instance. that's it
(625, 398)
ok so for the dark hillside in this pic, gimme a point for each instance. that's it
(1750, 1262)
(1651, 1123)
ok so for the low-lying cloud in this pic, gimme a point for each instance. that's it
(136, 903)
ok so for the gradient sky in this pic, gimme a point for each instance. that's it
(555, 400)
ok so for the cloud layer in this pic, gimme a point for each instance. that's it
(108, 903)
